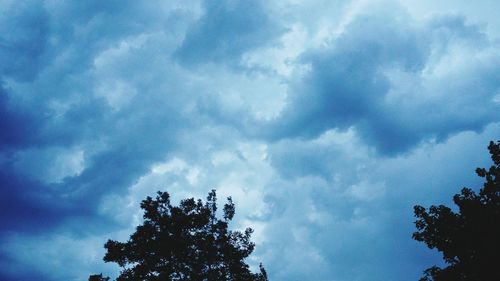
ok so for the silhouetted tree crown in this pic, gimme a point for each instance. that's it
(470, 239)
(98, 277)
(185, 242)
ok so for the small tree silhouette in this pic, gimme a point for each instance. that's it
(185, 242)
(470, 239)
(98, 277)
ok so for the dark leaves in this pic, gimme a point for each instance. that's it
(185, 242)
(469, 240)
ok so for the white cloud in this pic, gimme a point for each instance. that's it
(57, 164)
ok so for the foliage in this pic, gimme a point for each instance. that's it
(98, 277)
(470, 239)
(185, 242)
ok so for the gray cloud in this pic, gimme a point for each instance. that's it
(226, 30)
(363, 220)
(324, 127)
(357, 80)
(24, 29)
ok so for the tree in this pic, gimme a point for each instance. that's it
(185, 242)
(98, 277)
(470, 238)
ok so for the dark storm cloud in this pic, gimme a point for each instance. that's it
(18, 125)
(226, 30)
(26, 205)
(23, 39)
(105, 102)
(13, 271)
(349, 84)
(59, 110)
(47, 105)
(52, 104)
(92, 99)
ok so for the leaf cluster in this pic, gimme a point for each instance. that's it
(185, 242)
(469, 239)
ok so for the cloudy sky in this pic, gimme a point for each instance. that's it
(326, 121)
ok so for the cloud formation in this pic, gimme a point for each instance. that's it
(326, 122)
(398, 82)
(225, 31)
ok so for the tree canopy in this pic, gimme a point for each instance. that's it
(98, 277)
(185, 242)
(469, 239)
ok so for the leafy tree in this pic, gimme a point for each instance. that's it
(469, 239)
(98, 277)
(185, 242)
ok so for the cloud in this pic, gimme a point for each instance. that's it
(326, 122)
(226, 30)
(62, 113)
(23, 207)
(357, 223)
(24, 29)
(18, 125)
(325, 156)
(382, 75)
(68, 257)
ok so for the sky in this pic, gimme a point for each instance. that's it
(326, 121)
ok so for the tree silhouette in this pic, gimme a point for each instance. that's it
(185, 242)
(98, 277)
(470, 239)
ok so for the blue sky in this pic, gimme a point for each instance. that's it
(326, 121)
